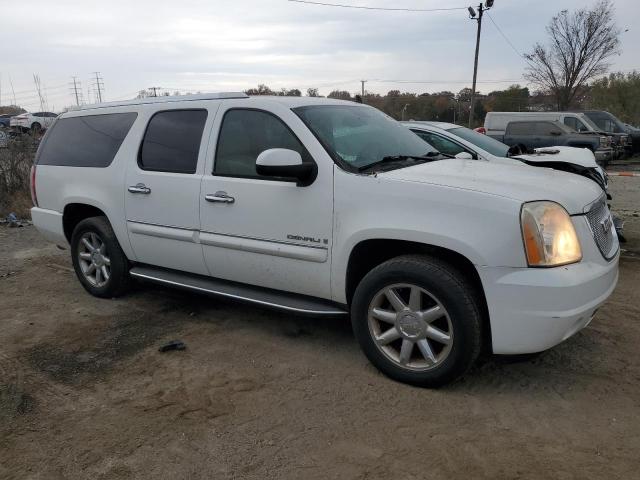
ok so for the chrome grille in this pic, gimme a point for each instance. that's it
(600, 221)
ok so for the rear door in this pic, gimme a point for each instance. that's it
(162, 188)
(263, 230)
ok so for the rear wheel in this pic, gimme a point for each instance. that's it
(36, 127)
(99, 262)
(417, 320)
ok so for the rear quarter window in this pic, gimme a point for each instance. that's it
(89, 141)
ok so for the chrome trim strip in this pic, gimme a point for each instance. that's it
(265, 247)
(160, 231)
(237, 297)
(284, 242)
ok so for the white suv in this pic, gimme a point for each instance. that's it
(325, 207)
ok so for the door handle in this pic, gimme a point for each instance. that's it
(220, 197)
(139, 188)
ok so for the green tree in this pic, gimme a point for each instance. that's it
(619, 93)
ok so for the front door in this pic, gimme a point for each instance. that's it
(259, 230)
(162, 190)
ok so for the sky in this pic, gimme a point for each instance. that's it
(221, 45)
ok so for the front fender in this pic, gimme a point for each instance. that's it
(481, 227)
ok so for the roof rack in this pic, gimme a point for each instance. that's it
(166, 99)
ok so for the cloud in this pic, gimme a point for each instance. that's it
(222, 44)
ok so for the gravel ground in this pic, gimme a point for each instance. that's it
(85, 394)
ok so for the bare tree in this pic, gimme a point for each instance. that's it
(581, 43)
(312, 92)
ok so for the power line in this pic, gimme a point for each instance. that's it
(389, 9)
(505, 37)
(445, 81)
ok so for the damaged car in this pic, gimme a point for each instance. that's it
(460, 142)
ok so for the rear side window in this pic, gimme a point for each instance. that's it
(172, 141)
(90, 141)
(520, 128)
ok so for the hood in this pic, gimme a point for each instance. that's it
(573, 192)
(578, 156)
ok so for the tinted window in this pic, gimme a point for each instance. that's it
(441, 144)
(485, 142)
(571, 123)
(90, 141)
(545, 128)
(520, 128)
(244, 135)
(575, 124)
(172, 141)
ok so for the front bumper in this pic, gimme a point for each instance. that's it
(533, 309)
(604, 154)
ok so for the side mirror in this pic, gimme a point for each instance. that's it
(556, 133)
(464, 156)
(287, 164)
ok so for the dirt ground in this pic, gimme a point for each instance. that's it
(85, 394)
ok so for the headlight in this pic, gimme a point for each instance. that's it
(605, 141)
(548, 234)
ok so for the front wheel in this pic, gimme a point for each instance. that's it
(417, 320)
(99, 262)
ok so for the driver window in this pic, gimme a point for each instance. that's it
(443, 145)
(571, 123)
(244, 135)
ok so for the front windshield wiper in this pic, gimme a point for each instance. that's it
(427, 157)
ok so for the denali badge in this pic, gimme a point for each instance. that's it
(300, 238)
(606, 224)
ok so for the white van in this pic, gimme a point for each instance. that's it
(495, 123)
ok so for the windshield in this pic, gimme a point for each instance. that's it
(357, 135)
(486, 143)
(590, 123)
(605, 121)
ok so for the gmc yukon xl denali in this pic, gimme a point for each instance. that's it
(325, 207)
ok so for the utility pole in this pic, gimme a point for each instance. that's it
(76, 87)
(472, 16)
(36, 80)
(13, 92)
(99, 86)
(363, 82)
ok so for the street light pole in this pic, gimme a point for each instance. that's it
(472, 16)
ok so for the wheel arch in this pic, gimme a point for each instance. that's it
(74, 213)
(369, 253)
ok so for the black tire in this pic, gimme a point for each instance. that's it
(119, 280)
(451, 290)
(36, 127)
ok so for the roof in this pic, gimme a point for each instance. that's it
(442, 125)
(166, 99)
(290, 102)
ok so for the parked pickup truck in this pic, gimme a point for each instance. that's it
(610, 123)
(495, 123)
(537, 134)
(325, 207)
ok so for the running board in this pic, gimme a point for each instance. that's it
(291, 302)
